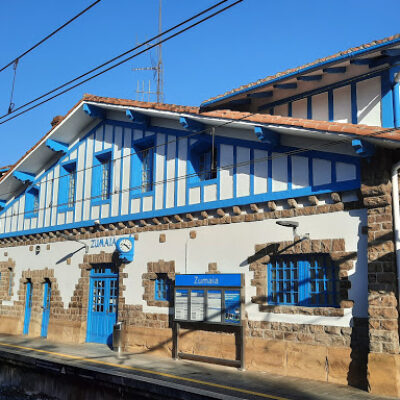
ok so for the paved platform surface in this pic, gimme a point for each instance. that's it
(208, 380)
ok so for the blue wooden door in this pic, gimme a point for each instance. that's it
(28, 307)
(103, 304)
(46, 309)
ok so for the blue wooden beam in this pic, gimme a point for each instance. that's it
(309, 78)
(138, 118)
(363, 148)
(57, 146)
(384, 60)
(191, 124)
(3, 203)
(286, 85)
(391, 52)
(267, 136)
(361, 61)
(94, 111)
(24, 177)
(3, 170)
(335, 70)
(239, 102)
(261, 95)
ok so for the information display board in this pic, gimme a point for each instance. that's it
(210, 298)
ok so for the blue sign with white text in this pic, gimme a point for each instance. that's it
(214, 280)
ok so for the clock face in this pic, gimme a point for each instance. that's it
(125, 245)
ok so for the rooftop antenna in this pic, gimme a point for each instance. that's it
(157, 68)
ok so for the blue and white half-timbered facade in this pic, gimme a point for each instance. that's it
(120, 170)
(289, 183)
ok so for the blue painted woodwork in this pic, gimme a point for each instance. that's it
(267, 136)
(46, 309)
(28, 306)
(215, 280)
(308, 69)
(387, 106)
(138, 118)
(309, 78)
(335, 70)
(320, 90)
(142, 166)
(291, 85)
(3, 203)
(363, 148)
(391, 52)
(162, 289)
(32, 202)
(3, 170)
(361, 61)
(24, 177)
(103, 304)
(94, 111)
(384, 60)
(261, 95)
(102, 177)
(303, 280)
(192, 125)
(67, 186)
(57, 146)
(197, 144)
(240, 102)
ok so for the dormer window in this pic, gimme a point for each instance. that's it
(32, 202)
(67, 187)
(101, 183)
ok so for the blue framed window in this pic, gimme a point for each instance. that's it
(101, 177)
(162, 289)
(142, 166)
(67, 186)
(203, 161)
(32, 202)
(303, 280)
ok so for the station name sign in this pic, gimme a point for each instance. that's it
(214, 280)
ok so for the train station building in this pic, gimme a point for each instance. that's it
(260, 228)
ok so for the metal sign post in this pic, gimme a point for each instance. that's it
(210, 302)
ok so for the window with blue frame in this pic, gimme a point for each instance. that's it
(67, 186)
(162, 289)
(32, 202)
(142, 166)
(101, 176)
(303, 280)
(203, 160)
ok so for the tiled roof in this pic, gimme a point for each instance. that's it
(333, 127)
(292, 71)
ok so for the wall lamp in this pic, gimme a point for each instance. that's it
(294, 225)
(72, 239)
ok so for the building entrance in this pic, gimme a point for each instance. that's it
(46, 308)
(103, 304)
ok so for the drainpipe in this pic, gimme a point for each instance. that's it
(396, 219)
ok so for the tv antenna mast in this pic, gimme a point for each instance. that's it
(158, 71)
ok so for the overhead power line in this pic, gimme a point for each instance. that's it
(16, 59)
(120, 56)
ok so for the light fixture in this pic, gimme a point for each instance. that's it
(289, 224)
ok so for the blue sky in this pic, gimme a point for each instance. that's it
(250, 41)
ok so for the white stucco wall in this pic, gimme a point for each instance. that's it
(227, 245)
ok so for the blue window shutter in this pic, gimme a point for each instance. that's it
(96, 179)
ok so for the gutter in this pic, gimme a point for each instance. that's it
(396, 219)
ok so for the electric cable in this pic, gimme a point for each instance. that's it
(188, 176)
(16, 59)
(118, 57)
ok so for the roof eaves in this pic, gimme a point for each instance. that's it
(308, 68)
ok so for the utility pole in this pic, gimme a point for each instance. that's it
(157, 68)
